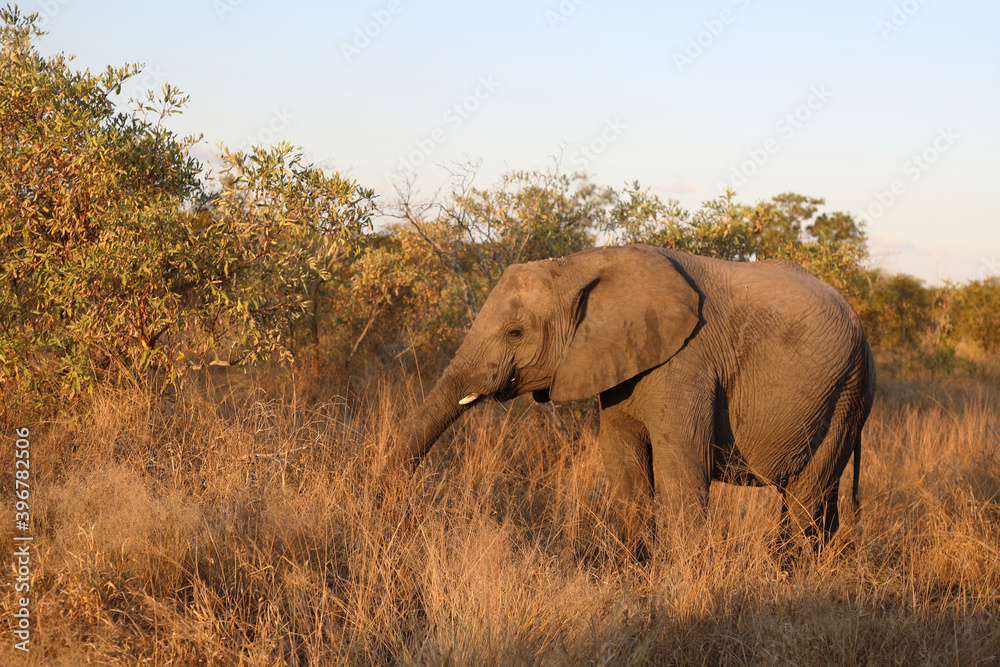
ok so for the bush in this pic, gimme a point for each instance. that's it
(727, 229)
(119, 252)
(975, 314)
(116, 255)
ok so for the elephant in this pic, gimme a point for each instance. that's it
(753, 373)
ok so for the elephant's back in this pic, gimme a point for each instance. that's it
(773, 287)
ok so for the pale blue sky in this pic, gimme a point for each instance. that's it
(826, 99)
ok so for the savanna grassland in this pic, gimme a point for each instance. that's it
(212, 361)
(246, 522)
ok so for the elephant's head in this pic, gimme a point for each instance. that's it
(563, 329)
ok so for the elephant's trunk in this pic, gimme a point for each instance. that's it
(438, 411)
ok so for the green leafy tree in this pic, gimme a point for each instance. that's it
(722, 228)
(788, 213)
(391, 299)
(975, 314)
(271, 238)
(899, 312)
(113, 254)
(728, 229)
(837, 227)
(83, 185)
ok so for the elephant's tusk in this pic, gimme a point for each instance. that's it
(468, 399)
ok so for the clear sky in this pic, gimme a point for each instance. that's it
(885, 108)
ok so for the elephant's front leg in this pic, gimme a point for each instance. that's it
(682, 464)
(626, 453)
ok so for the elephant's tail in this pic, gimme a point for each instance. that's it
(868, 391)
(857, 471)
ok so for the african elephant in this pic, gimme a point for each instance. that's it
(754, 373)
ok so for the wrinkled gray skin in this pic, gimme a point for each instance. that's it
(749, 373)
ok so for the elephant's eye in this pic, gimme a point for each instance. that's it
(514, 333)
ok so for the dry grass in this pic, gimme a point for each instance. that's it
(252, 530)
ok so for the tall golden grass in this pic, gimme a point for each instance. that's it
(252, 528)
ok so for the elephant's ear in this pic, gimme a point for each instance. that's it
(635, 312)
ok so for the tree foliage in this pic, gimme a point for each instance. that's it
(264, 244)
(115, 252)
(898, 312)
(975, 314)
(118, 249)
(728, 229)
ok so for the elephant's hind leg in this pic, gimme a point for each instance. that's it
(811, 497)
(811, 512)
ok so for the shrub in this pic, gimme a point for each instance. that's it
(116, 255)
